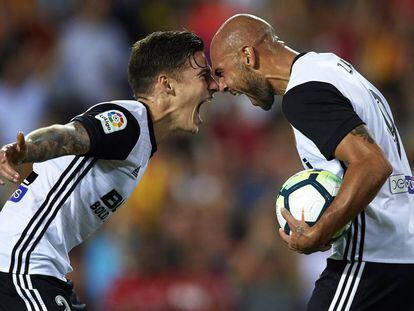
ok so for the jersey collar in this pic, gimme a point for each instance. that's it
(296, 58)
(151, 131)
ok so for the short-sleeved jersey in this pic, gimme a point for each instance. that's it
(325, 99)
(64, 200)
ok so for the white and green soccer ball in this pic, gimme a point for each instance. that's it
(309, 192)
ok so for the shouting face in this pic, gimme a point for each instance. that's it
(236, 78)
(194, 87)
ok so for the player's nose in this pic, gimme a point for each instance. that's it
(213, 86)
(222, 86)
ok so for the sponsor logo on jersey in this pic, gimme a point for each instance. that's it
(18, 194)
(401, 184)
(22, 189)
(107, 204)
(112, 121)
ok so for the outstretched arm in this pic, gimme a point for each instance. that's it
(41, 145)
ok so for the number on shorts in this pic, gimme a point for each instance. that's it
(61, 301)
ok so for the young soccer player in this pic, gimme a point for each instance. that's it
(84, 170)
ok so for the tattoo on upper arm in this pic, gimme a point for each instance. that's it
(56, 141)
(77, 141)
(362, 131)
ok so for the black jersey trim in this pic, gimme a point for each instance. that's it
(30, 179)
(88, 126)
(296, 58)
(362, 238)
(355, 239)
(58, 207)
(348, 243)
(151, 131)
(38, 212)
(329, 148)
(321, 113)
(115, 145)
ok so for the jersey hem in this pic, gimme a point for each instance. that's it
(57, 276)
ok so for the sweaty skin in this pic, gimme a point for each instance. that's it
(239, 31)
(253, 42)
(247, 57)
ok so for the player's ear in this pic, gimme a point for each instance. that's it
(165, 82)
(249, 56)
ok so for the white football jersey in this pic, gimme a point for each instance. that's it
(325, 99)
(64, 200)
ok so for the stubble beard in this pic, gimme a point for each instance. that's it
(257, 88)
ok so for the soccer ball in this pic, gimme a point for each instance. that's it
(309, 192)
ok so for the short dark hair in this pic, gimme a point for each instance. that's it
(161, 51)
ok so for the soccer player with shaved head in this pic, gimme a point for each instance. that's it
(86, 169)
(342, 123)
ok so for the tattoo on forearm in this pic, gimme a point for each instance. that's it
(78, 142)
(55, 141)
(361, 131)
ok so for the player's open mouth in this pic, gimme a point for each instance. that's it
(197, 117)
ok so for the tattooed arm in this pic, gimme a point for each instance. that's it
(367, 170)
(41, 145)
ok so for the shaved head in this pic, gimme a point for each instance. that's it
(248, 58)
(235, 53)
(240, 30)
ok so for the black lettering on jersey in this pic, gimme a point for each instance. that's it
(95, 205)
(347, 66)
(99, 210)
(388, 121)
(112, 200)
(109, 202)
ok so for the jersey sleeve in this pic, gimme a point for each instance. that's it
(112, 129)
(320, 112)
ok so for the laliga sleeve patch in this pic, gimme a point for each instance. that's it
(112, 121)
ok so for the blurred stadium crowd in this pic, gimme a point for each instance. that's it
(200, 232)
